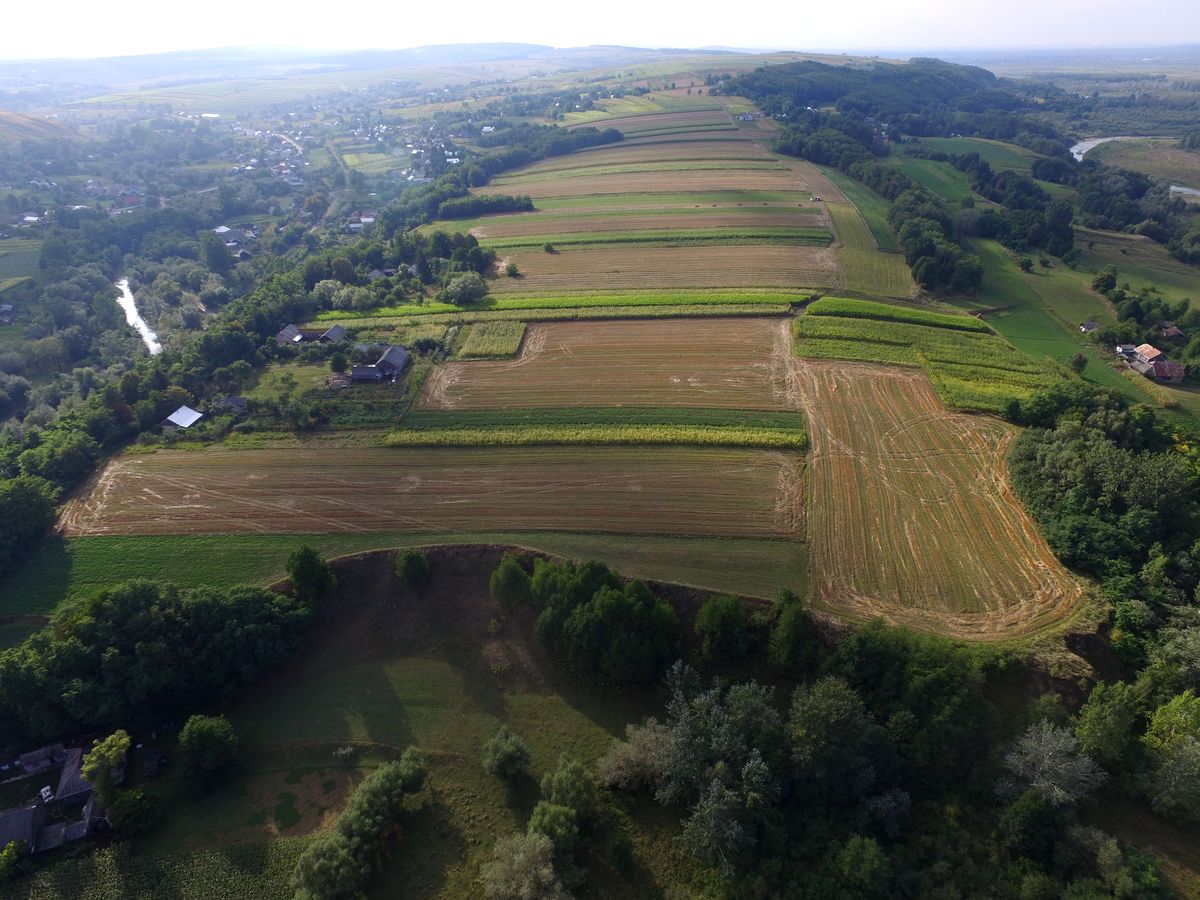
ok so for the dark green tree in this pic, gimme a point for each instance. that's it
(723, 627)
(311, 576)
(207, 744)
(412, 567)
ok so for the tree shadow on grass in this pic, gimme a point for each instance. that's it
(430, 844)
(41, 583)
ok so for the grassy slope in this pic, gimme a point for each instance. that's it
(1040, 313)
(1160, 158)
(874, 208)
(866, 269)
(63, 569)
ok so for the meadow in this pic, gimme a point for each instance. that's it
(910, 516)
(739, 363)
(865, 269)
(584, 219)
(69, 568)
(19, 258)
(1162, 158)
(315, 489)
(871, 206)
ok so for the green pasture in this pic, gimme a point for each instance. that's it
(63, 569)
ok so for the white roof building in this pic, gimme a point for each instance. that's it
(184, 417)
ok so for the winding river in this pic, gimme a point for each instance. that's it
(134, 318)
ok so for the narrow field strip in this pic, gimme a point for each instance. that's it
(563, 311)
(911, 516)
(670, 218)
(661, 490)
(600, 436)
(740, 364)
(669, 237)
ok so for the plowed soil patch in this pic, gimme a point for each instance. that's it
(911, 515)
(320, 489)
(701, 363)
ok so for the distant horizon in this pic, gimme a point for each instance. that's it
(123, 28)
(897, 52)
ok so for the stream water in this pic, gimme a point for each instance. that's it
(134, 318)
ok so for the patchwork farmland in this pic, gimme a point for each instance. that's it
(709, 363)
(910, 513)
(745, 493)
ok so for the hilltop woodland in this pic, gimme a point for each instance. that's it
(789, 758)
(875, 107)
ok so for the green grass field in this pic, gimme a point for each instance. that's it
(874, 209)
(866, 269)
(579, 300)
(1039, 313)
(998, 154)
(1139, 261)
(945, 181)
(63, 569)
(274, 379)
(18, 259)
(1159, 158)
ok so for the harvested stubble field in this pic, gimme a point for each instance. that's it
(660, 121)
(911, 515)
(716, 363)
(666, 236)
(735, 148)
(671, 219)
(514, 183)
(317, 489)
(646, 268)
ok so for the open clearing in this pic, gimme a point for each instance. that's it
(727, 364)
(911, 516)
(327, 489)
(635, 267)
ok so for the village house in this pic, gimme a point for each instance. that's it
(391, 363)
(183, 418)
(1148, 360)
(55, 818)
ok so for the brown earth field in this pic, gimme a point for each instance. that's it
(653, 121)
(317, 489)
(646, 268)
(523, 224)
(911, 516)
(698, 363)
(621, 154)
(781, 179)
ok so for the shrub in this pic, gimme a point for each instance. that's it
(132, 812)
(11, 858)
(522, 868)
(207, 744)
(723, 628)
(573, 786)
(512, 271)
(412, 568)
(338, 362)
(640, 760)
(102, 760)
(618, 849)
(505, 755)
(510, 583)
(559, 823)
(337, 864)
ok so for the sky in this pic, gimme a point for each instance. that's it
(92, 28)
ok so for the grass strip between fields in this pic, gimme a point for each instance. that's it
(610, 300)
(601, 435)
(850, 308)
(604, 415)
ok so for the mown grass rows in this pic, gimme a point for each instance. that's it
(970, 370)
(576, 300)
(601, 435)
(849, 308)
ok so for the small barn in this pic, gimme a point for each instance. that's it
(183, 418)
(393, 361)
(289, 334)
